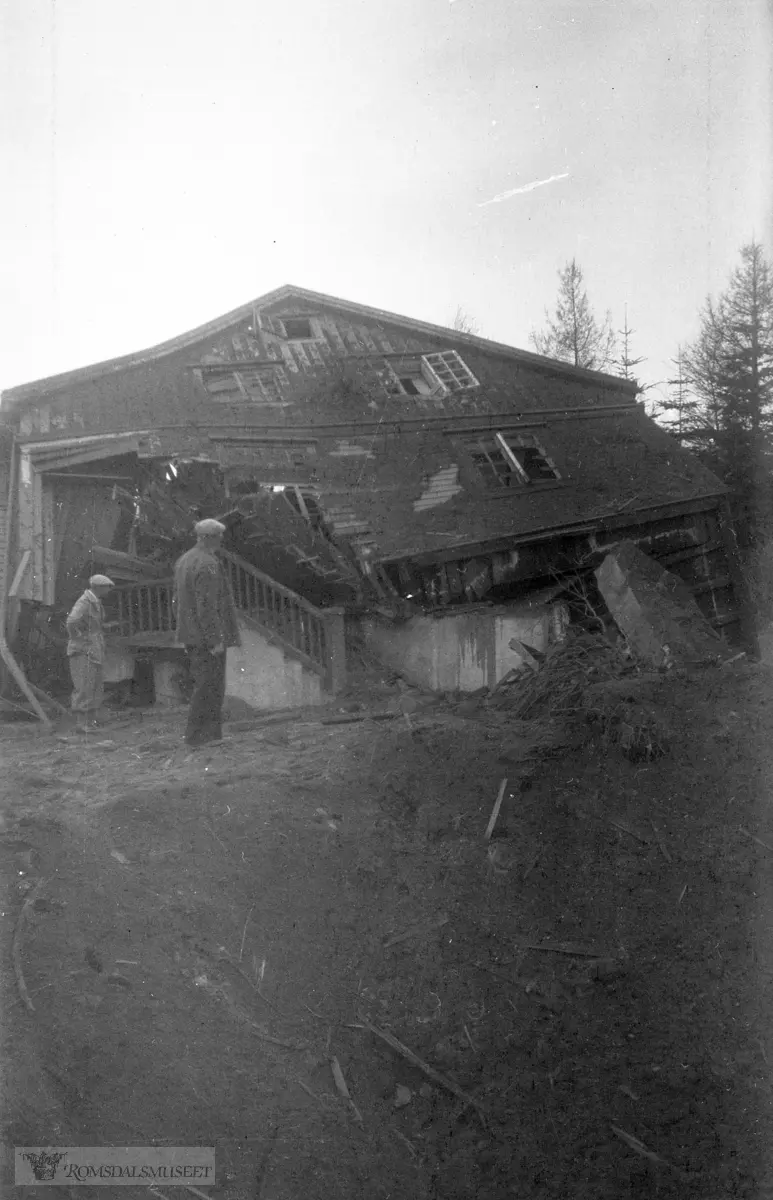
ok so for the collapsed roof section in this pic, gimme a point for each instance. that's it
(359, 453)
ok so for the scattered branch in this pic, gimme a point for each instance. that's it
(495, 810)
(660, 843)
(17, 943)
(638, 1146)
(343, 1090)
(430, 1072)
(244, 931)
(752, 838)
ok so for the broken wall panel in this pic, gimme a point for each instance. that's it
(84, 515)
(655, 610)
(165, 394)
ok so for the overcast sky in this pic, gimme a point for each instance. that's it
(164, 161)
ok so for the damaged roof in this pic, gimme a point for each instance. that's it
(415, 440)
(33, 391)
(420, 493)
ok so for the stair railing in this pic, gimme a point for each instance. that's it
(312, 635)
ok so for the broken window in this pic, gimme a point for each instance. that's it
(306, 502)
(409, 380)
(451, 370)
(507, 461)
(534, 463)
(250, 384)
(429, 375)
(298, 328)
(223, 385)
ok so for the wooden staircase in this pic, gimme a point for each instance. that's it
(141, 616)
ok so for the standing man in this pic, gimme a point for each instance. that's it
(206, 626)
(86, 652)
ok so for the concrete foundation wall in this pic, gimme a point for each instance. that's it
(118, 665)
(263, 676)
(461, 651)
(257, 672)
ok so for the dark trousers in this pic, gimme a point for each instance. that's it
(205, 715)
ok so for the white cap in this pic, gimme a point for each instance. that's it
(100, 581)
(208, 527)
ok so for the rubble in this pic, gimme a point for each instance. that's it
(569, 668)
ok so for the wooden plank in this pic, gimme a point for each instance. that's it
(367, 339)
(547, 534)
(331, 332)
(90, 478)
(38, 556)
(335, 649)
(20, 572)
(679, 556)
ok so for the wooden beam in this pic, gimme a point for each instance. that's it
(20, 572)
(5, 650)
(60, 708)
(644, 517)
(335, 637)
(94, 478)
(451, 423)
(679, 556)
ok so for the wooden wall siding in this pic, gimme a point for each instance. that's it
(167, 393)
(344, 521)
(348, 449)
(263, 465)
(35, 533)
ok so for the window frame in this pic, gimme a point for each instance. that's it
(280, 329)
(462, 378)
(506, 444)
(249, 386)
(421, 366)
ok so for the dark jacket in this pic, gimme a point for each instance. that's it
(203, 603)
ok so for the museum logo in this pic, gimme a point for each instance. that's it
(111, 1165)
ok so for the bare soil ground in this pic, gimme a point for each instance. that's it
(205, 933)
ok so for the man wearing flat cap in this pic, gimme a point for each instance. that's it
(206, 626)
(86, 652)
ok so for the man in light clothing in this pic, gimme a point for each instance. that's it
(86, 651)
(206, 625)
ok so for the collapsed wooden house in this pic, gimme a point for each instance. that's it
(430, 489)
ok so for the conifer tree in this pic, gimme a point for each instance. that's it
(573, 333)
(729, 370)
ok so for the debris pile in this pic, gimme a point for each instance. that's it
(590, 684)
(558, 687)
